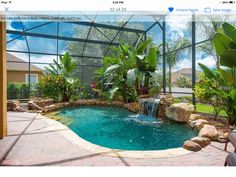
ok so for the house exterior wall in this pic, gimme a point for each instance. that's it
(19, 76)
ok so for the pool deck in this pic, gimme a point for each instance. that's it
(34, 140)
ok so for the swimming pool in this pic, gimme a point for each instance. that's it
(118, 128)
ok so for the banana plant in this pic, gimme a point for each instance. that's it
(127, 69)
(225, 92)
(225, 45)
(65, 68)
(229, 100)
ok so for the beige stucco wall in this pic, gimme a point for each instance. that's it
(19, 76)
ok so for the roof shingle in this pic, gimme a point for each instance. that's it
(16, 64)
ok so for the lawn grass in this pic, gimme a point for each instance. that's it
(206, 108)
(201, 107)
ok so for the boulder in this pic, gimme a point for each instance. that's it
(191, 123)
(202, 141)
(179, 112)
(61, 105)
(33, 106)
(195, 117)
(43, 102)
(49, 108)
(191, 146)
(14, 105)
(222, 139)
(198, 124)
(134, 107)
(209, 131)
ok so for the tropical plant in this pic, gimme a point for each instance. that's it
(65, 67)
(222, 91)
(174, 56)
(52, 86)
(128, 69)
(225, 46)
(183, 81)
(61, 84)
(205, 92)
(98, 50)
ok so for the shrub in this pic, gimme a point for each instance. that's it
(57, 88)
(17, 90)
(61, 84)
(183, 82)
(205, 91)
(52, 86)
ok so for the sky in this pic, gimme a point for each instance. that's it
(175, 25)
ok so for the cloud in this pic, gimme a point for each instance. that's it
(18, 45)
(208, 61)
(187, 63)
(178, 24)
(8, 26)
(178, 21)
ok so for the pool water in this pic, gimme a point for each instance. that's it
(118, 128)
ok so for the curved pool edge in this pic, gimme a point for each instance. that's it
(86, 145)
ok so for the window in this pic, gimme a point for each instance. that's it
(33, 78)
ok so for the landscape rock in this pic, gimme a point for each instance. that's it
(199, 123)
(209, 131)
(166, 100)
(43, 102)
(49, 108)
(33, 106)
(191, 146)
(191, 124)
(202, 141)
(134, 107)
(14, 105)
(195, 117)
(180, 112)
(222, 139)
(61, 105)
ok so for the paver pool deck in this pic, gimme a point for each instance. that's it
(34, 140)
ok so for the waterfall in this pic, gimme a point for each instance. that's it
(150, 106)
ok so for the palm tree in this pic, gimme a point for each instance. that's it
(174, 55)
(207, 26)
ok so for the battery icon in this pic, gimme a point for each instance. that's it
(231, 2)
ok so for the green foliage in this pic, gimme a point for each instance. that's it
(205, 91)
(224, 78)
(52, 86)
(219, 88)
(60, 84)
(17, 90)
(174, 57)
(128, 69)
(225, 45)
(99, 50)
(183, 82)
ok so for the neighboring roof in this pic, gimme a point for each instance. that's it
(187, 72)
(16, 64)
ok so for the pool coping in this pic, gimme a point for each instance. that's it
(75, 139)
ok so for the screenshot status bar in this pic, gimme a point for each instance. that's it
(119, 6)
